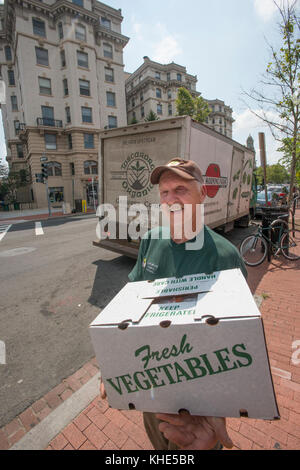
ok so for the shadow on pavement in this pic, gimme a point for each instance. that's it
(110, 277)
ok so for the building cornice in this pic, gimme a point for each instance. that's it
(61, 7)
(151, 81)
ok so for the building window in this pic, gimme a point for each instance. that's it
(60, 30)
(80, 32)
(20, 151)
(17, 126)
(157, 75)
(179, 77)
(65, 87)
(88, 141)
(78, 2)
(142, 111)
(133, 102)
(70, 143)
(63, 58)
(159, 109)
(48, 115)
(82, 59)
(168, 76)
(169, 94)
(90, 167)
(41, 56)
(107, 50)
(105, 22)
(110, 99)
(45, 86)
(142, 97)
(56, 194)
(39, 27)
(11, 77)
(50, 141)
(68, 115)
(112, 122)
(7, 51)
(134, 116)
(158, 93)
(109, 74)
(72, 168)
(170, 110)
(14, 103)
(84, 87)
(86, 114)
(54, 169)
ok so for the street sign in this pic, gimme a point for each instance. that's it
(44, 159)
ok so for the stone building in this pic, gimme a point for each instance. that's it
(62, 63)
(154, 86)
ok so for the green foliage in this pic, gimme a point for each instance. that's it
(197, 107)
(11, 182)
(276, 174)
(151, 116)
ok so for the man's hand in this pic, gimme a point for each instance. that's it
(194, 432)
(102, 390)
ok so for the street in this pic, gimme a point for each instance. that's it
(53, 284)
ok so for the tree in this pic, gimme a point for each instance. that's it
(151, 116)
(286, 160)
(197, 107)
(10, 182)
(276, 174)
(279, 100)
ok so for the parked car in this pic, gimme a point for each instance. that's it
(261, 201)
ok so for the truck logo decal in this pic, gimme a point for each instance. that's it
(213, 180)
(135, 174)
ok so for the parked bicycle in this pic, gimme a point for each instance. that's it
(254, 248)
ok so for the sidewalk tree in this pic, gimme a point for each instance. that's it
(197, 107)
(11, 182)
(279, 98)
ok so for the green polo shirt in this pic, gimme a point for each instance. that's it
(159, 256)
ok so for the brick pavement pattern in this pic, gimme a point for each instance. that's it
(101, 427)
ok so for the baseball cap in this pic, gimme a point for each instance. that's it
(186, 169)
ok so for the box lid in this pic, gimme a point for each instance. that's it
(222, 295)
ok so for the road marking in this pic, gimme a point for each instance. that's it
(3, 230)
(38, 229)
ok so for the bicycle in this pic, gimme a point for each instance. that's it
(254, 248)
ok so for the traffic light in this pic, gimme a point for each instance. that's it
(39, 178)
(44, 170)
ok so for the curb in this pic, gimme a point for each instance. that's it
(42, 434)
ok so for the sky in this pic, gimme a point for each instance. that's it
(223, 42)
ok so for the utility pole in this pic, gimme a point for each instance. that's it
(263, 160)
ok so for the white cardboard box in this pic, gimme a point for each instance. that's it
(203, 351)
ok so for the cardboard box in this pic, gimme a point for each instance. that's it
(195, 343)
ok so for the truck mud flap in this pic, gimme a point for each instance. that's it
(116, 247)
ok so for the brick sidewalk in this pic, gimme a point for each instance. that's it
(100, 427)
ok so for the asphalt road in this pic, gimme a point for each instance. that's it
(53, 283)
(52, 286)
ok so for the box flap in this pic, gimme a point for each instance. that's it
(126, 306)
(172, 286)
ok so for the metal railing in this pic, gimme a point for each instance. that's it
(49, 122)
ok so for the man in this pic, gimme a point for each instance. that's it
(170, 252)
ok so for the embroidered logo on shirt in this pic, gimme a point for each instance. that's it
(150, 267)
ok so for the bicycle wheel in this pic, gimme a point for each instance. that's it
(254, 250)
(290, 244)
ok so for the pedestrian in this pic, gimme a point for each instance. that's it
(169, 252)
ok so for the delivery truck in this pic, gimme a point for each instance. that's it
(128, 155)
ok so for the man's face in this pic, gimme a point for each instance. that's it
(175, 193)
